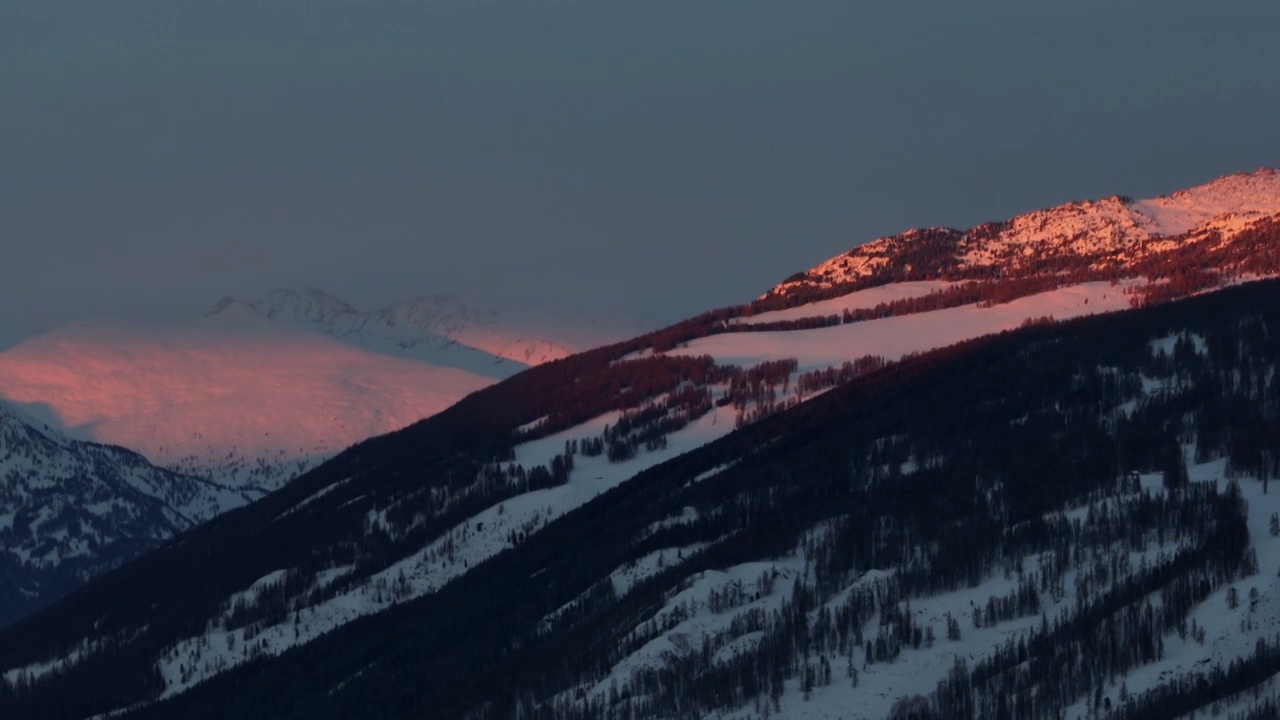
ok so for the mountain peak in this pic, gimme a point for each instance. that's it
(428, 324)
(1251, 193)
(437, 313)
(1109, 233)
(302, 305)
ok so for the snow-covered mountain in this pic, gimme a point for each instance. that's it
(929, 288)
(887, 480)
(252, 394)
(248, 408)
(244, 398)
(1117, 234)
(423, 325)
(70, 509)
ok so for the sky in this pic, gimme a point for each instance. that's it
(654, 158)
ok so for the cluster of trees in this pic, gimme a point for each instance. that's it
(648, 426)
(1195, 264)
(570, 398)
(818, 380)
(1193, 691)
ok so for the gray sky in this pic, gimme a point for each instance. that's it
(663, 156)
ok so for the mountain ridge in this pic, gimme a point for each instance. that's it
(435, 320)
(1108, 234)
(71, 509)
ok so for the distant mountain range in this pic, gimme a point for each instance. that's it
(422, 326)
(252, 394)
(917, 481)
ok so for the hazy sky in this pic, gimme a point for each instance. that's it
(659, 156)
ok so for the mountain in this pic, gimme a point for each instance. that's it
(250, 395)
(431, 321)
(244, 406)
(925, 491)
(929, 288)
(70, 510)
(244, 398)
(1113, 237)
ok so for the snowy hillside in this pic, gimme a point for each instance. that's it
(929, 288)
(893, 337)
(1111, 234)
(251, 395)
(71, 509)
(245, 406)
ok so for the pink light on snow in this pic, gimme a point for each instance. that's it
(170, 395)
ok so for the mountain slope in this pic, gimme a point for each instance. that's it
(253, 394)
(930, 287)
(1051, 437)
(249, 407)
(1106, 238)
(382, 554)
(70, 510)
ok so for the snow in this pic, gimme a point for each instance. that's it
(38, 669)
(862, 299)
(1249, 194)
(715, 424)
(315, 496)
(327, 577)
(253, 394)
(880, 684)
(235, 400)
(687, 515)
(112, 494)
(473, 541)
(426, 325)
(897, 336)
(249, 596)
(634, 573)
(1110, 225)
(686, 636)
(918, 672)
(708, 474)
(1225, 640)
(531, 426)
(1166, 345)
